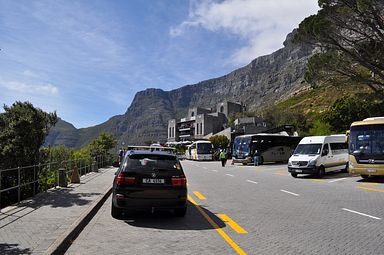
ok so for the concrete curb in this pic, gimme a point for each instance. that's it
(62, 243)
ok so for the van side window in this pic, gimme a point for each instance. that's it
(325, 150)
(339, 148)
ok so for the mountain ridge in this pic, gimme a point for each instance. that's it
(266, 80)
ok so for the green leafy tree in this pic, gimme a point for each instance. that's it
(353, 108)
(102, 145)
(349, 35)
(219, 141)
(23, 129)
(276, 117)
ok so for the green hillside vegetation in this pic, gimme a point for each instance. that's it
(326, 109)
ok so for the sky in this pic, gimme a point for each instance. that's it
(87, 59)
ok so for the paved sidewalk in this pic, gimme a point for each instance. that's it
(40, 225)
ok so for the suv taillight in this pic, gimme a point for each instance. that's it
(179, 182)
(121, 179)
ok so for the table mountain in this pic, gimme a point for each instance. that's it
(265, 81)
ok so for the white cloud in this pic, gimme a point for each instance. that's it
(263, 24)
(30, 73)
(33, 89)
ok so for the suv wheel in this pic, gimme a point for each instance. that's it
(294, 175)
(116, 212)
(180, 212)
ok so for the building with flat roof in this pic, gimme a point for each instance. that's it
(201, 122)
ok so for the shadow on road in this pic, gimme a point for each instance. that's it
(10, 249)
(327, 176)
(193, 220)
(372, 179)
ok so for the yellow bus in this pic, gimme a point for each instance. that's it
(366, 147)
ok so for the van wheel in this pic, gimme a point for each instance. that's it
(321, 172)
(364, 176)
(294, 175)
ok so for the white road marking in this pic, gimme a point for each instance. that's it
(230, 175)
(252, 181)
(215, 171)
(337, 180)
(363, 214)
(288, 192)
(205, 167)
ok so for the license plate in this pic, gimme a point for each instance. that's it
(298, 171)
(371, 170)
(153, 181)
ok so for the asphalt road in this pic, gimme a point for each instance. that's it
(250, 210)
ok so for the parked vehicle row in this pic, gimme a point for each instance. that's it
(360, 151)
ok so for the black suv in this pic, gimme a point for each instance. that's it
(149, 180)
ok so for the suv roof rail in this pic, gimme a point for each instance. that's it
(151, 148)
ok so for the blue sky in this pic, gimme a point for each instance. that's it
(87, 59)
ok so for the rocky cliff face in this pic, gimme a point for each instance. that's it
(263, 82)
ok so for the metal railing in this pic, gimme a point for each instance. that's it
(17, 184)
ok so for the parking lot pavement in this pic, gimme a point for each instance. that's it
(338, 214)
(41, 224)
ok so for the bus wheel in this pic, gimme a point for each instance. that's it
(364, 176)
(294, 175)
(321, 172)
(345, 170)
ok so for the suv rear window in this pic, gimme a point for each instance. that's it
(148, 162)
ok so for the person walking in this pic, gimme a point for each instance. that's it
(223, 158)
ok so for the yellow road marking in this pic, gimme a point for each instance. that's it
(281, 174)
(371, 189)
(315, 180)
(370, 184)
(232, 224)
(199, 195)
(217, 228)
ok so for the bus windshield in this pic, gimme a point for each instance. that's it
(242, 145)
(308, 149)
(204, 148)
(367, 141)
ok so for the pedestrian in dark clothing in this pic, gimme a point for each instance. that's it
(121, 155)
(256, 158)
(223, 158)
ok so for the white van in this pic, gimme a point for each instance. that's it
(318, 155)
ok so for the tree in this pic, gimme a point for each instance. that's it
(102, 144)
(349, 35)
(23, 129)
(277, 117)
(219, 141)
(353, 108)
